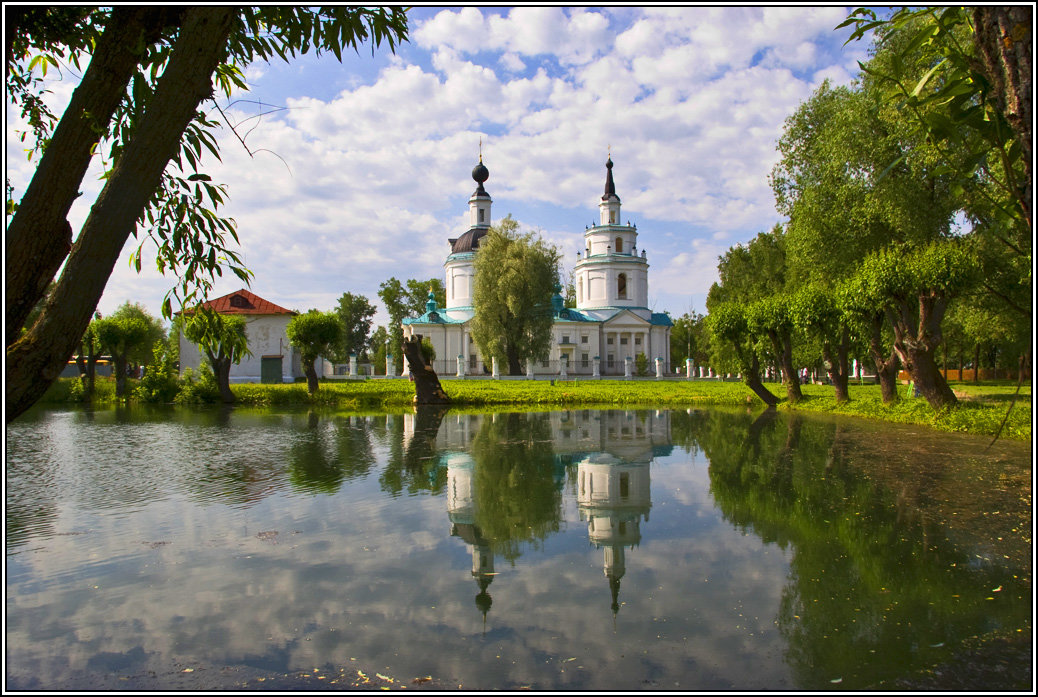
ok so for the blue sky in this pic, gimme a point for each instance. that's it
(366, 174)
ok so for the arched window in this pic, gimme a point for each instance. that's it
(621, 286)
(619, 245)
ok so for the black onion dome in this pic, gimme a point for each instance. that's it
(480, 174)
(610, 187)
(469, 242)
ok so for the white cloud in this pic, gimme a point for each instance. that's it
(375, 179)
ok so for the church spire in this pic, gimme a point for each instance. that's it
(609, 206)
(610, 187)
(480, 173)
(479, 202)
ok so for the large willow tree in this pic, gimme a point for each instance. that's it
(138, 108)
(516, 274)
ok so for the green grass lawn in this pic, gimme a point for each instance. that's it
(981, 409)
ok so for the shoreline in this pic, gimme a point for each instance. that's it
(981, 410)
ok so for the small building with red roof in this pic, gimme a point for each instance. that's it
(273, 358)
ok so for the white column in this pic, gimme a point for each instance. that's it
(596, 369)
(659, 368)
(689, 369)
(529, 369)
(496, 372)
(627, 367)
(461, 366)
(390, 368)
(353, 365)
(563, 361)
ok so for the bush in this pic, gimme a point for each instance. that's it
(160, 383)
(198, 387)
(71, 390)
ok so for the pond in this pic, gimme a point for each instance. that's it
(568, 550)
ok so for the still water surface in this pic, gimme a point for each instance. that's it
(594, 550)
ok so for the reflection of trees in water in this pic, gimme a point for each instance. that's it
(874, 591)
(329, 452)
(519, 498)
(414, 467)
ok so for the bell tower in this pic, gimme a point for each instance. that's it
(610, 274)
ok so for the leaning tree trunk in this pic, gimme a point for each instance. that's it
(887, 365)
(39, 236)
(1004, 38)
(222, 373)
(36, 359)
(839, 368)
(751, 378)
(783, 345)
(917, 342)
(427, 389)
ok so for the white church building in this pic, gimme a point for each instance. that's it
(611, 325)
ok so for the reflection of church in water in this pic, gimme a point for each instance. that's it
(612, 452)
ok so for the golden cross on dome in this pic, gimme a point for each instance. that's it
(481, 150)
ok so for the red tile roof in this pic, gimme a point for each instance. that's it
(243, 302)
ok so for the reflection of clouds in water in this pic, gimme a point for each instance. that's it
(361, 575)
(687, 482)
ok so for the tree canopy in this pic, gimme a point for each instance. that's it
(406, 299)
(355, 314)
(222, 338)
(314, 334)
(515, 277)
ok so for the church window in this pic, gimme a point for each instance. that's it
(609, 341)
(583, 339)
(481, 212)
(583, 360)
(612, 217)
(621, 286)
(623, 340)
(637, 341)
(619, 245)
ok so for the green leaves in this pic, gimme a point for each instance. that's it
(314, 334)
(192, 241)
(514, 277)
(897, 274)
(930, 60)
(219, 336)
